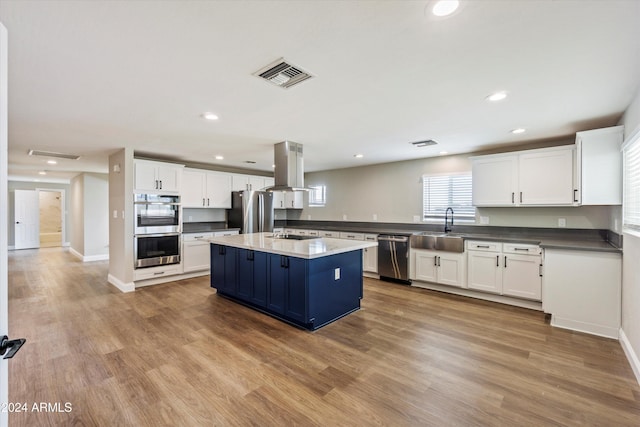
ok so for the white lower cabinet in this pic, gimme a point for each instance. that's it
(445, 268)
(505, 269)
(582, 290)
(195, 250)
(370, 255)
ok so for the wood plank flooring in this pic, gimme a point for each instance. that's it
(178, 354)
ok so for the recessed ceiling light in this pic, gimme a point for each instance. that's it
(497, 96)
(445, 7)
(358, 156)
(52, 162)
(519, 130)
(210, 116)
(42, 173)
(219, 158)
(442, 153)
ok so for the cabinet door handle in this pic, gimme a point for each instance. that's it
(250, 255)
(438, 261)
(497, 260)
(156, 187)
(158, 273)
(203, 201)
(482, 246)
(435, 261)
(161, 184)
(513, 197)
(207, 201)
(521, 249)
(575, 195)
(521, 197)
(540, 270)
(505, 261)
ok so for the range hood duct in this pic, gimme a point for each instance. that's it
(289, 167)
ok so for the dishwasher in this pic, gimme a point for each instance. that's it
(393, 258)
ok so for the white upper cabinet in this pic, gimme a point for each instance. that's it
(542, 177)
(599, 166)
(546, 177)
(204, 189)
(495, 180)
(294, 199)
(157, 177)
(250, 182)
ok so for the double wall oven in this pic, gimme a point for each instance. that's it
(156, 230)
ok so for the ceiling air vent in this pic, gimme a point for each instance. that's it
(283, 74)
(53, 154)
(426, 143)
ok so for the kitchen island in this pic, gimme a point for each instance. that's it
(309, 283)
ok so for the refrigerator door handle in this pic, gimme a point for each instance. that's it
(260, 213)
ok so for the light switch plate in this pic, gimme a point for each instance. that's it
(484, 220)
(562, 222)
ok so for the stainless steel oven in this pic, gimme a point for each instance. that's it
(155, 214)
(156, 249)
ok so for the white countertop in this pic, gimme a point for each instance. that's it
(308, 249)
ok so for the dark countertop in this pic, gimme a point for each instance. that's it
(548, 238)
(204, 227)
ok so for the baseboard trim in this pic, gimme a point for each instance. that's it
(122, 286)
(88, 258)
(586, 327)
(631, 354)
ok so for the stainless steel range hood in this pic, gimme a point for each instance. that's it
(289, 170)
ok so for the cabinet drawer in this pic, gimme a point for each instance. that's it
(156, 272)
(314, 233)
(333, 234)
(476, 245)
(192, 237)
(523, 249)
(352, 236)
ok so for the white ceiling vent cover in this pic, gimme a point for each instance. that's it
(283, 74)
(53, 154)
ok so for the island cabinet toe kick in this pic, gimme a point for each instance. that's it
(309, 293)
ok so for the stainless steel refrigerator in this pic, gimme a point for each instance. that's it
(251, 211)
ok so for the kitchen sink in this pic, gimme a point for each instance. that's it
(448, 242)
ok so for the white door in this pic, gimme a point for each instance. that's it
(218, 190)
(495, 180)
(193, 183)
(425, 266)
(27, 219)
(4, 310)
(521, 276)
(451, 269)
(546, 177)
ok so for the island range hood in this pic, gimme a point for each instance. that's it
(289, 169)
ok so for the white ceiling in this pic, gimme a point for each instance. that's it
(91, 77)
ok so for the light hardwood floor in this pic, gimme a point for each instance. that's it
(177, 354)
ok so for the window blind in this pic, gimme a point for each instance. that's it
(317, 195)
(440, 192)
(631, 198)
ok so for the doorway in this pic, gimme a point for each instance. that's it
(39, 218)
(51, 218)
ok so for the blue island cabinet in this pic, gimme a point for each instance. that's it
(306, 292)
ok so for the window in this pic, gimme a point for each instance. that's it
(317, 195)
(440, 192)
(631, 198)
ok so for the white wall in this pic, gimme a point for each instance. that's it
(90, 216)
(4, 272)
(393, 192)
(631, 255)
(77, 214)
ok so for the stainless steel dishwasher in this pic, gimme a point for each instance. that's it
(393, 258)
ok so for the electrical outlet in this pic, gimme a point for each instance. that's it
(344, 217)
(562, 222)
(484, 220)
(416, 218)
(308, 217)
(190, 218)
(375, 217)
(115, 214)
(336, 274)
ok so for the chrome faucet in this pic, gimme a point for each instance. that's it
(447, 227)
